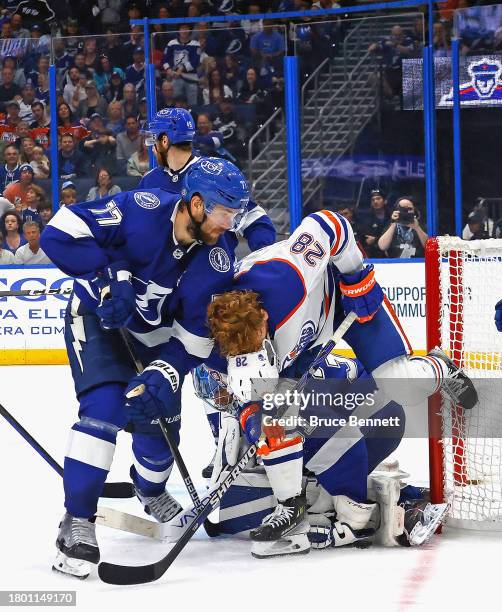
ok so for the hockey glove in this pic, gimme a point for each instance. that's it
(498, 315)
(151, 394)
(118, 297)
(361, 293)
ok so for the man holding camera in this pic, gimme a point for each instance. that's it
(404, 238)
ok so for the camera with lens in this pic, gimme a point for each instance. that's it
(406, 216)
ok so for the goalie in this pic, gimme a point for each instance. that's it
(288, 299)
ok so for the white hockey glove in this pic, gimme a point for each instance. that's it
(253, 375)
(227, 451)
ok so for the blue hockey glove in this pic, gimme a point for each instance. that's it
(361, 293)
(498, 315)
(118, 298)
(150, 395)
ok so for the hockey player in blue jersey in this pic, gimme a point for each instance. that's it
(148, 261)
(171, 135)
(288, 299)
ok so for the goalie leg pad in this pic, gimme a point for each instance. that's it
(385, 490)
(355, 523)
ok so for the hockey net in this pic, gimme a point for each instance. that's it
(463, 284)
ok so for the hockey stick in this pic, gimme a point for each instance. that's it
(166, 431)
(110, 489)
(126, 574)
(36, 292)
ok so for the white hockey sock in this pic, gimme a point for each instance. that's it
(284, 468)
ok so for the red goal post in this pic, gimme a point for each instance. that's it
(463, 283)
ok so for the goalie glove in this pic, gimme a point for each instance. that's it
(361, 293)
(253, 375)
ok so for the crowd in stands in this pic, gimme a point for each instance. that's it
(229, 75)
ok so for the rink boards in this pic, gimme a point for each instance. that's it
(31, 328)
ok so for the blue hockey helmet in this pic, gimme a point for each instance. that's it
(177, 123)
(217, 181)
(210, 386)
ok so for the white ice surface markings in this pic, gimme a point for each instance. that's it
(459, 572)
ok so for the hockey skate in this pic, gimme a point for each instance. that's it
(456, 384)
(421, 519)
(162, 507)
(283, 532)
(77, 546)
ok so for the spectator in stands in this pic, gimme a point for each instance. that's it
(91, 59)
(16, 191)
(16, 24)
(8, 89)
(72, 36)
(393, 49)
(100, 146)
(104, 186)
(6, 29)
(374, 224)
(166, 98)
(181, 61)
(256, 25)
(66, 118)
(13, 111)
(233, 73)
(42, 92)
(43, 41)
(46, 213)
(74, 90)
(93, 102)
(135, 73)
(216, 89)
(6, 257)
(34, 197)
(62, 60)
(115, 87)
(40, 120)
(72, 163)
(268, 48)
(31, 253)
(19, 76)
(128, 142)
(103, 74)
(10, 228)
(477, 226)
(40, 163)
(27, 99)
(207, 141)
(10, 171)
(41, 70)
(404, 237)
(79, 64)
(113, 49)
(130, 101)
(234, 132)
(22, 131)
(115, 120)
(26, 147)
(347, 211)
(254, 92)
(135, 40)
(139, 162)
(68, 194)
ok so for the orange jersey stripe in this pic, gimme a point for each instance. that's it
(338, 228)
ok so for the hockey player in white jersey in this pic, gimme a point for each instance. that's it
(288, 299)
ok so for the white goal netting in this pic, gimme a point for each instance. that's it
(470, 284)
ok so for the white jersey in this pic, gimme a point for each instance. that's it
(296, 282)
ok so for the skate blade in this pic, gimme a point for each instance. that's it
(420, 537)
(71, 567)
(294, 545)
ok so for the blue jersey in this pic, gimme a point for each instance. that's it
(173, 283)
(257, 228)
(183, 55)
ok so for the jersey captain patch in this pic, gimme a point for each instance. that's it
(146, 200)
(219, 259)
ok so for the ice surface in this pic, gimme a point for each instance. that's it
(455, 571)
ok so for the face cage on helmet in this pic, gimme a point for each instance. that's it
(212, 392)
(151, 138)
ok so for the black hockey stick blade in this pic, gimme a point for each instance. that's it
(212, 529)
(118, 490)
